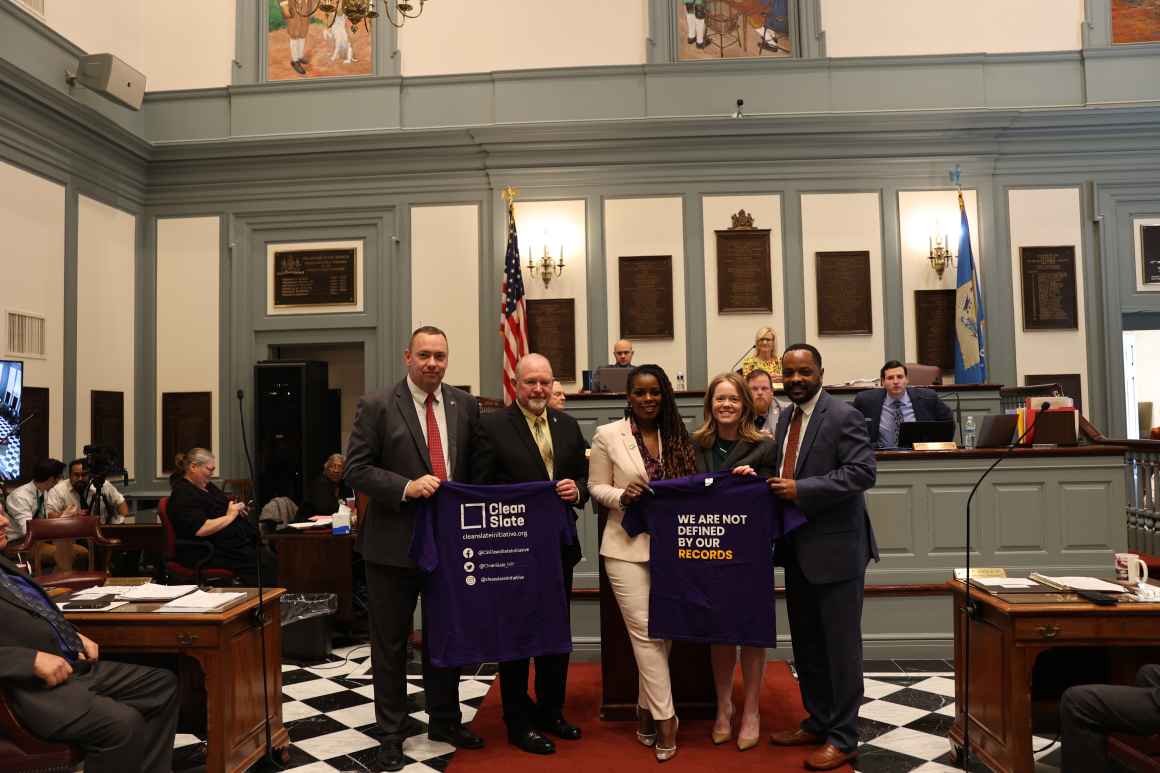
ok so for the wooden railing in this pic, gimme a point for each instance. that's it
(1142, 482)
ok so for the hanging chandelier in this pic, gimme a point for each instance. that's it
(364, 11)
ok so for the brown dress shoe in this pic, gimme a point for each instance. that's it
(829, 757)
(796, 737)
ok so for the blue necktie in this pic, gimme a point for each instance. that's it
(896, 424)
(70, 643)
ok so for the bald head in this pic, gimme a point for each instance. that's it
(622, 352)
(533, 382)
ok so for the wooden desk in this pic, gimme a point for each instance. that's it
(317, 561)
(1006, 704)
(227, 646)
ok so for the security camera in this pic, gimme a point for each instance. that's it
(738, 113)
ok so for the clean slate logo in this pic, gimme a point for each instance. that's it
(490, 515)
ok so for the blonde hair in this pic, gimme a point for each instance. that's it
(706, 434)
(765, 331)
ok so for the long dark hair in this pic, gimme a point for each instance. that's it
(679, 455)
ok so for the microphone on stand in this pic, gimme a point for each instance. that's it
(959, 416)
(744, 354)
(969, 608)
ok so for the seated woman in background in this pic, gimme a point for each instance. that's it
(727, 440)
(764, 356)
(323, 494)
(199, 510)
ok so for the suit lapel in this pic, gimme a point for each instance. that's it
(878, 405)
(780, 432)
(405, 403)
(739, 450)
(452, 412)
(516, 416)
(634, 453)
(12, 598)
(812, 430)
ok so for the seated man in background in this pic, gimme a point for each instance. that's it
(760, 385)
(323, 494)
(123, 717)
(28, 501)
(1087, 713)
(558, 399)
(79, 492)
(895, 403)
(622, 354)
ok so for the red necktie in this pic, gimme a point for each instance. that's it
(434, 442)
(789, 464)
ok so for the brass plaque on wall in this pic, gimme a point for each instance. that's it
(323, 277)
(744, 279)
(646, 296)
(844, 294)
(552, 333)
(1049, 288)
(934, 323)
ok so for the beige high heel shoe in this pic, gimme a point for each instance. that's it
(666, 753)
(646, 739)
(721, 736)
(746, 742)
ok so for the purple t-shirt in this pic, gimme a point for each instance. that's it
(712, 557)
(495, 588)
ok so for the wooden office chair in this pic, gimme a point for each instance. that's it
(82, 527)
(174, 569)
(20, 751)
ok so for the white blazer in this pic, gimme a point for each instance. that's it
(615, 462)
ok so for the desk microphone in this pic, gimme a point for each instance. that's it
(260, 611)
(969, 607)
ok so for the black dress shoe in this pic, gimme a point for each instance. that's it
(531, 742)
(297, 65)
(457, 735)
(561, 728)
(391, 755)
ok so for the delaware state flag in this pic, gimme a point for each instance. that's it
(970, 321)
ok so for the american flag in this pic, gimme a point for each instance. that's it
(514, 312)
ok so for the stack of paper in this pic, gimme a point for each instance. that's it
(1005, 583)
(1078, 583)
(136, 593)
(202, 601)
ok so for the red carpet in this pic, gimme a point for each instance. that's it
(612, 746)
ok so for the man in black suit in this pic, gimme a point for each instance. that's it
(406, 439)
(825, 462)
(525, 442)
(903, 402)
(123, 717)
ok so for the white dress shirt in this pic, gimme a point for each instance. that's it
(21, 506)
(420, 398)
(60, 496)
(807, 409)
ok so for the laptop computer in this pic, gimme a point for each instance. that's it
(913, 432)
(997, 431)
(610, 379)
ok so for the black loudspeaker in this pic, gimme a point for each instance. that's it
(291, 433)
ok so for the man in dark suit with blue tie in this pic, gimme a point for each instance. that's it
(888, 408)
(825, 463)
(529, 441)
(405, 441)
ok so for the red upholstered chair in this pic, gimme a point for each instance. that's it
(174, 570)
(20, 751)
(82, 527)
(923, 375)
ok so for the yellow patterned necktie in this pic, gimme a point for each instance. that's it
(544, 441)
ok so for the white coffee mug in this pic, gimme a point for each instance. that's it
(1131, 568)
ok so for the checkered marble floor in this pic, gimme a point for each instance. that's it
(328, 710)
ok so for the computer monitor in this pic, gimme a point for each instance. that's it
(611, 379)
(997, 430)
(11, 387)
(913, 432)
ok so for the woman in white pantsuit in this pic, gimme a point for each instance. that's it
(650, 443)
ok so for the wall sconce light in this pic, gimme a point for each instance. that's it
(545, 267)
(940, 254)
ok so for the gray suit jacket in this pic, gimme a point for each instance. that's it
(759, 456)
(835, 466)
(386, 450)
(22, 635)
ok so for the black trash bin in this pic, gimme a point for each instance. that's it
(306, 625)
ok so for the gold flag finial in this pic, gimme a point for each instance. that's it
(509, 194)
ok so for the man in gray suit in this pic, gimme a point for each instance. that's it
(122, 716)
(406, 439)
(825, 462)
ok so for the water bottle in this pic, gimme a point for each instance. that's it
(680, 381)
(969, 433)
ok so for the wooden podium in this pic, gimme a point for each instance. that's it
(692, 674)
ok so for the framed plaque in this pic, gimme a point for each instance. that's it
(314, 277)
(844, 293)
(646, 296)
(934, 323)
(1069, 383)
(552, 333)
(744, 280)
(1049, 288)
(1150, 254)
